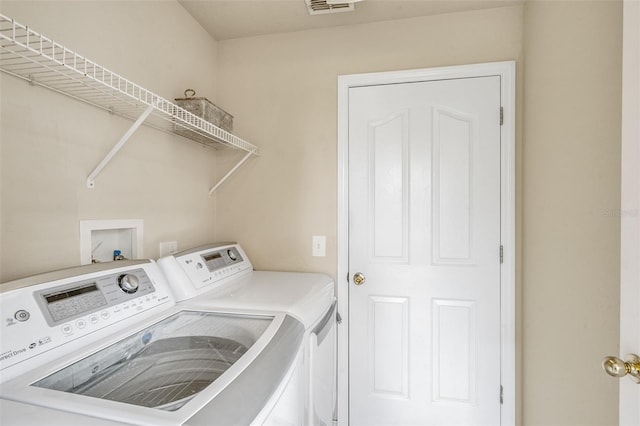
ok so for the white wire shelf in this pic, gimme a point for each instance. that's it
(33, 57)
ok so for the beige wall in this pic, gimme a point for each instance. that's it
(49, 143)
(571, 193)
(568, 57)
(282, 91)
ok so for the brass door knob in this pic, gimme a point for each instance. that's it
(616, 367)
(358, 278)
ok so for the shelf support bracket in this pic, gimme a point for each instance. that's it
(230, 172)
(91, 179)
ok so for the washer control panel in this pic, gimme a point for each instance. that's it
(41, 316)
(69, 301)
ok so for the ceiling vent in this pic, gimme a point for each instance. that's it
(321, 7)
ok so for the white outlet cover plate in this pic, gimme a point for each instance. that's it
(168, 247)
(319, 245)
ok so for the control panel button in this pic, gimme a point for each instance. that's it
(81, 323)
(22, 315)
(66, 328)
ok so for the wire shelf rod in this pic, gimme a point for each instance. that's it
(118, 146)
(229, 173)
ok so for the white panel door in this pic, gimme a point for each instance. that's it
(424, 232)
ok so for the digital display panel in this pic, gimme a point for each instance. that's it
(212, 256)
(66, 294)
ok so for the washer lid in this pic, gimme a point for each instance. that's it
(90, 384)
(164, 365)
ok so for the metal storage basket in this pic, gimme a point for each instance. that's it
(205, 109)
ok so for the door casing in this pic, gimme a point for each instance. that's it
(506, 71)
(629, 410)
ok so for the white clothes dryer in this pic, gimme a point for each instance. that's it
(220, 276)
(107, 344)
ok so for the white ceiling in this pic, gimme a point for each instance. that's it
(227, 19)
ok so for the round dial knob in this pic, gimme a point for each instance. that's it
(232, 255)
(128, 283)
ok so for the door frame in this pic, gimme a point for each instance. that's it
(629, 413)
(506, 71)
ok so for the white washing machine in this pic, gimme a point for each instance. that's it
(107, 344)
(220, 276)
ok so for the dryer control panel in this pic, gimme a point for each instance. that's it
(48, 311)
(201, 269)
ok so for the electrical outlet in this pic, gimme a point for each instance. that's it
(319, 245)
(168, 247)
